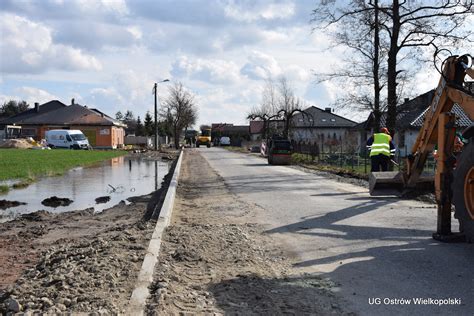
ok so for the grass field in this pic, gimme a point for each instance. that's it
(27, 164)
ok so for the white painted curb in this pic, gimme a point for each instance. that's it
(141, 292)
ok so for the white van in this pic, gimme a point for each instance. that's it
(224, 141)
(66, 138)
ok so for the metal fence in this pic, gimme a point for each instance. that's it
(360, 162)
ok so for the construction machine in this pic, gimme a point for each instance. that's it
(454, 177)
(204, 137)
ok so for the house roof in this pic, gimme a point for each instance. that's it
(407, 111)
(43, 108)
(412, 113)
(320, 118)
(74, 114)
(462, 120)
(256, 127)
(219, 126)
(237, 129)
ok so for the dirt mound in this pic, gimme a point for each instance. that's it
(16, 143)
(4, 204)
(102, 199)
(55, 201)
(36, 216)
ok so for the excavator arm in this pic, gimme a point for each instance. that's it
(447, 93)
(454, 178)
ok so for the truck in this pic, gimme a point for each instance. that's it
(204, 137)
(454, 177)
(65, 138)
(10, 131)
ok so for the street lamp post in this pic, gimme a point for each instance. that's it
(155, 132)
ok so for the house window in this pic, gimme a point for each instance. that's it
(300, 120)
(333, 120)
(323, 120)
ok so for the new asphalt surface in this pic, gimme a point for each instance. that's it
(377, 252)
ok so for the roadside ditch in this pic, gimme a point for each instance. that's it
(78, 261)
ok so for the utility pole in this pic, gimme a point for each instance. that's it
(155, 132)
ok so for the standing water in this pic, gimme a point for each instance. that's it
(118, 178)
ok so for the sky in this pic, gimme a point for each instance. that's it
(107, 54)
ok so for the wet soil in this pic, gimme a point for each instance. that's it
(75, 262)
(215, 259)
(102, 199)
(4, 204)
(55, 201)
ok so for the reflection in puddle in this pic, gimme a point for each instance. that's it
(118, 178)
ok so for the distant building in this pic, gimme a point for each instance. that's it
(330, 131)
(236, 133)
(101, 130)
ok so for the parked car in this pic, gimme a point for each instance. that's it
(224, 141)
(64, 138)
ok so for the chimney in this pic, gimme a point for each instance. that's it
(407, 99)
(72, 101)
(327, 110)
(37, 107)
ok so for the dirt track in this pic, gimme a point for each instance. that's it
(214, 259)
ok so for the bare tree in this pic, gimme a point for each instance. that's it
(288, 104)
(409, 26)
(355, 26)
(412, 25)
(268, 108)
(279, 103)
(179, 110)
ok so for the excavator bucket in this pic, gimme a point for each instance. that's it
(386, 183)
(392, 183)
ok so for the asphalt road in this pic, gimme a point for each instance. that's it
(374, 250)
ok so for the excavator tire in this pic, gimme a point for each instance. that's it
(463, 191)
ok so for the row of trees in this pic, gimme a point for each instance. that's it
(389, 41)
(13, 107)
(278, 103)
(178, 112)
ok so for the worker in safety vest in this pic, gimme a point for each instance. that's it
(381, 150)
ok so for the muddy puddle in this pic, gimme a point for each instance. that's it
(100, 186)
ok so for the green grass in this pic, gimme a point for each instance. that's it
(4, 189)
(27, 164)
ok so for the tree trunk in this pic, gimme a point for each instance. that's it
(392, 70)
(176, 137)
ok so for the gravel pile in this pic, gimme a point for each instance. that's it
(81, 275)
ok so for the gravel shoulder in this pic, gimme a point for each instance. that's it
(76, 261)
(215, 259)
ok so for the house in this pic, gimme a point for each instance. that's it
(37, 110)
(410, 119)
(320, 126)
(256, 128)
(235, 132)
(101, 130)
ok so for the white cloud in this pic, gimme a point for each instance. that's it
(27, 46)
(32, 95)
(261, 66)
(215, 71)
(262, 10)
(135, 31)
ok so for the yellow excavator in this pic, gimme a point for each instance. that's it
(454, 177)
(204, 137)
